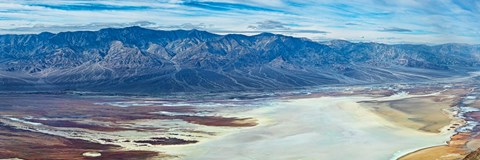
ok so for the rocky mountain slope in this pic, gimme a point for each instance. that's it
(141, 60)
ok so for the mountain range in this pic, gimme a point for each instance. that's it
(140, 60)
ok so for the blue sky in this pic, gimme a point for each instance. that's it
(386, 21)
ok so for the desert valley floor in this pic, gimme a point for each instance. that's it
(407, 121)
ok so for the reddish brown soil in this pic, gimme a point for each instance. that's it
(166, 141)
(27, 145)
(80, 108)
(69, 111)
(219, 121)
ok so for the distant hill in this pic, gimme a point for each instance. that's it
(140, 60)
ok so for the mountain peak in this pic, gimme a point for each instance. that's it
(130, 29)
(266, 34)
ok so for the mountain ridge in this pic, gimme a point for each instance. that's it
(140, 60)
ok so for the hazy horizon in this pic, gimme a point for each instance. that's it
(251, 34)
(417, 22)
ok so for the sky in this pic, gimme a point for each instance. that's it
(384, 21)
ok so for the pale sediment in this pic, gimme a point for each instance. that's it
(463, 141)
(317, 128)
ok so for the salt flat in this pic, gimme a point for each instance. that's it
(317, 128)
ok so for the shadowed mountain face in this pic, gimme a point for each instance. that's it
(141, 60)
